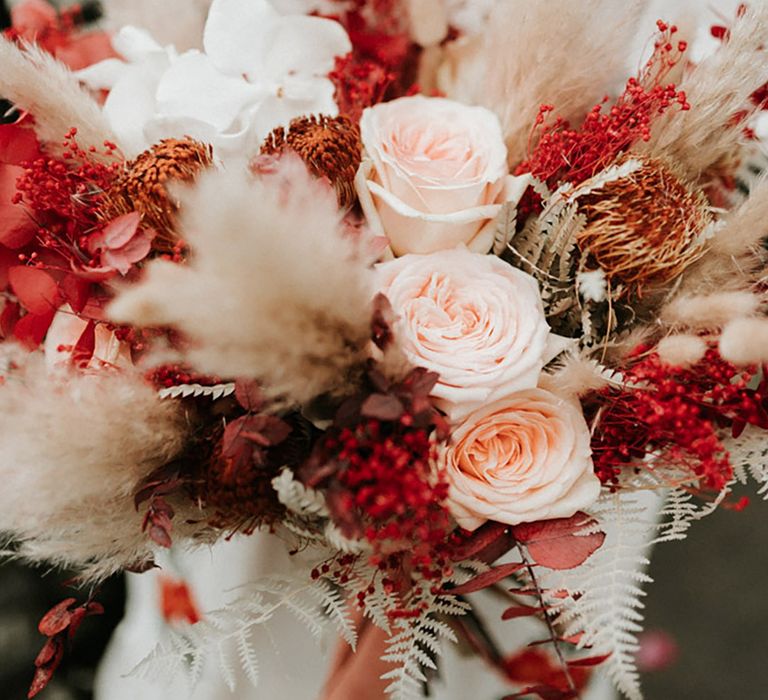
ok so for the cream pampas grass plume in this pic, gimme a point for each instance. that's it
(34, 81)
(555, 52)
(73, 448)
(274, 289)
(718, 89)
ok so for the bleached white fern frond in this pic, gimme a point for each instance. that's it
(298, 498)
(336, 540)
(185, 391)
(225, 637)
(415, 645)
(605, 593)
(749, 457)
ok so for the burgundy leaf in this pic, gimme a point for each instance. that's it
(487, 578)
(480, 539)
(554, 544)
(383, 319)
(57, 618)
(266, 431)
(37, 291)
(31, 329)
(18, 144)
(43, 676)
(588, 661)
(83, 350)
(76, 291)
(248, 394)
(16, 226)
(520, 611)
(545, 692)
(52, 647)
(9, 318)
(383, 407)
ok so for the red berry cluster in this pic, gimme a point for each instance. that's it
(676, 414)
(574, 155)
(388, 479)
(64, 196)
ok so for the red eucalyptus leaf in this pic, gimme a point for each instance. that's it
(83, 350)
(18, 144)
(57, 618)
(9, 318)
(51, 649)
(122, 259)
(76, 291)
(487, 578)
(16, 225)
(118, 232)
(248, 394)
(555, 544)
(545, 692)
(588, 661)
(382, 407)
(37, 291)
(266, 431)
(479, 540)
(43, 676)
(31, 329)
(422, 381)
(8, 259)
(520, 611)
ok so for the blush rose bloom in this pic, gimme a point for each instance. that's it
(475, 320)
(521, 459)
(434, 174)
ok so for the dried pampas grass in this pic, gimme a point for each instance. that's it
(709, 311)
(73, 448)
(557, 52)
(574, 376)
(39, 84)
(176, 22)
(274, 290)
(717, 89)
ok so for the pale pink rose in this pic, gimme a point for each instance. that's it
(434, 174)
(475, 320)
(521, 459)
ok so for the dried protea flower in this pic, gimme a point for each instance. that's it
(644, 228)
(330, 146)
(143, 185)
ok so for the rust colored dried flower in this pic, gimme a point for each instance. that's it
(330, 146)
(644, 228)
(143, 185)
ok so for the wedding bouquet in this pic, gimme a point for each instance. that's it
(396, 281)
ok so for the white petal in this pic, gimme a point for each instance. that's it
(303, 46)
(104, 74)
(192, 87)
(131, 103)
(135, 44)
(298, 99)
(235, 34)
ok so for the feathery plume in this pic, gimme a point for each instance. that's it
(73, 448)
(274, 290)
(35, 82)
(744, 341)
(543, 52)
(681, 350)
(718, 89)
(709, 311)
